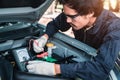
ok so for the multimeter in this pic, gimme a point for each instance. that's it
(21, 56)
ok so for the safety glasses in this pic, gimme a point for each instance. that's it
(72, 16)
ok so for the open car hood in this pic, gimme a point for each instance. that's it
(23, 10)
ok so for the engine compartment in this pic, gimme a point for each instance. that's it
(18, 50)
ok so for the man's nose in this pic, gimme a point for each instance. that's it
(69, 20)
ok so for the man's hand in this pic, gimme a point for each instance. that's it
(41, 67)
(38, 44)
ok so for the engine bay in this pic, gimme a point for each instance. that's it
(60, 48)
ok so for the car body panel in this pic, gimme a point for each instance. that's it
(25, 12)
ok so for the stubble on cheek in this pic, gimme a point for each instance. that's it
(73, 26)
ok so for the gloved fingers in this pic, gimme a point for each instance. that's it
(31, 70)
(29, 67)
(38, 50)
(38, 43)
(41, 67)
(35, 42)
(34, 62)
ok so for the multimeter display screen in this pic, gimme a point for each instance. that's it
(22, 54)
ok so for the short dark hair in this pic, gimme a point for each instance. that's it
(84, 7)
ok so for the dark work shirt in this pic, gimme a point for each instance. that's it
(104, 36)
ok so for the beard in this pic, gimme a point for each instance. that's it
(73, 26)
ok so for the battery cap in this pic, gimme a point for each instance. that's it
(49, 44)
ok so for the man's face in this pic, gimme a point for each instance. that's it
(74, 19)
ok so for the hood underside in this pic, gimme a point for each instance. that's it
(23, 10)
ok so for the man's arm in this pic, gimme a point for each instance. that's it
(99, 68)
(59, 23)
(57, 69)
